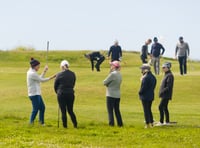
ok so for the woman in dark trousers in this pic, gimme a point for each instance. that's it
(146, 93)
(64, 88)
(113, 82)
(165, 93)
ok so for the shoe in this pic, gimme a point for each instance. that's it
(159, 124)
(148, 126)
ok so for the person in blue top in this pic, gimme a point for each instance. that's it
(115, 52)
(156, 54)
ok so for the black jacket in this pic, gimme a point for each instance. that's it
(116, 52)
(65, 82)
(166, 88)
(148, 85)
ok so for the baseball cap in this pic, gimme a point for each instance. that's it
(116, 64)
(64, 63)
(167, 65)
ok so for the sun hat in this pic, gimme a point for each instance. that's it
(34, 62)
(64, 63)
(116, 64)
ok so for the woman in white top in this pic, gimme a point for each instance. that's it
(34, 90)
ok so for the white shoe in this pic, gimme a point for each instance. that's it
(159, 124)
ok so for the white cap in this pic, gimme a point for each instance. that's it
(63, 63)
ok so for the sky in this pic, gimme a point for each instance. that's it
(96, 24)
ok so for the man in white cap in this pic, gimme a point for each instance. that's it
(64, 88)
(165, 93)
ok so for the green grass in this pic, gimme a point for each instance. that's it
(90, 106)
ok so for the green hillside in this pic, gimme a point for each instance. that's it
(90, 105)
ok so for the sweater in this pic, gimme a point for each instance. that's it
(116, 52)
(156, 50)
(182, 49)
(33, 82)
(113, 82)
(65, 82)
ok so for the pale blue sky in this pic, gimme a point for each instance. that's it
(95, 24)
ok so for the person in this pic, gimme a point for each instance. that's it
(146, 93)
(144, 51)
(156, 54)
(182, 51)
(64, 88)
(115, 51)
(113, 82)
(34, 90)
(95, 56)
(165, 93)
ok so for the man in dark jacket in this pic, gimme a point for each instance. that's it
(165, 93)
(115, 52)
(155, 55)
(64, 88)
(146, 93)
(144, 51)
(95, 56)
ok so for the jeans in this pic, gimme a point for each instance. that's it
(66, 103)
(147, 111)
(156, 64)
(163, 108)
(113, 105)
(182, 64)
(38, 105)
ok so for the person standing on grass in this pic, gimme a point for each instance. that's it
(113, 82)
(95, 56)
(64, 88)
(156, 54)
(34, 90)
(144, 51)
(165, 93)
(146, 93)
(115, 52)
(182, 51)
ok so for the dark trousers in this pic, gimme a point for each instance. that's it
(38, 105)
(113, 106)
(144, 59)
(101, 59)
(163, 108)
(66, 103)
(147, 111)
(183, 64)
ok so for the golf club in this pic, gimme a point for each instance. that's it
(47, 52)
(58, 115)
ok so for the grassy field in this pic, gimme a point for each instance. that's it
(90, 106)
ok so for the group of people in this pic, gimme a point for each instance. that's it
(146, 93)
(66, 79)
(182, 51)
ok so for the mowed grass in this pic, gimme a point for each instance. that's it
(90, 105)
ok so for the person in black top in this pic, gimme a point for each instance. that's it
(144, 51)
(165, 93)
(95, 56)
(64, 88)
(115, 52)
(146, 93)
(156, 54)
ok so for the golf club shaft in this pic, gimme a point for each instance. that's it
(47, 52)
